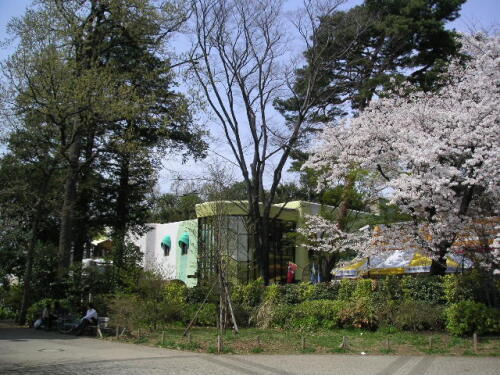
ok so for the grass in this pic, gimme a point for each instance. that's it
(271, 341)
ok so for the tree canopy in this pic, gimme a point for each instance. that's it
(436, 151)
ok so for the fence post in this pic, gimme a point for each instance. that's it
(345, 343)
(474, 341)
(117, 332)
(387, 344)
(303, 342)
(163, 337)
(220, 347)
(430, 343)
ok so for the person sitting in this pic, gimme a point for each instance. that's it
(47, 317)
(89, 318)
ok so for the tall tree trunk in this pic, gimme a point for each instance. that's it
(438, 266)
(81, 219)
(67, 212)
(28, 272)
(261, 235)
(123, 205)
(122, 216)
(345, 203)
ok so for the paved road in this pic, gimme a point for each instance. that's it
(25, 351)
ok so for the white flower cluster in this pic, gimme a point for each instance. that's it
(438, 152)
(325, 236)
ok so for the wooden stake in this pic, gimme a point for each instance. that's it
(387, 344)
(430, 343)
(345, 343)
(117, 332)
(303, 342)
(219, 344)
(258, 341)
(474, 341)
(163, 337)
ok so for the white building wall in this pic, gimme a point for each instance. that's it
(150, 246)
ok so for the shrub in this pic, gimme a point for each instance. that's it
(316, 314)
(390, 288)
(363, 289)
(198, 294)
(423, 288)
(207, 316)
(291, 294)
(249, 295)
(359, 313)
(418, 315)
(273, 315)
(35, 310)
(466, 317)
(305, 291)
(455, 290)
(175, 292)
(12, 297)
(386, 311)
(476, 285)
(346, 289)
(125, 311)
(273, 293)
(6, 313)
(325, 291)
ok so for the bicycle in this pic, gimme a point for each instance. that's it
(66, 323)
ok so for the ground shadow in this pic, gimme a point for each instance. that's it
(9, 331)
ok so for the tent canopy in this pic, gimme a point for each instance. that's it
(397, 263)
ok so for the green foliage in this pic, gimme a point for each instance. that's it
(273, 293)
(249, 295)
(359, 313)
(198, 294)
(475, 285)
(346, 289)
(169, 208)
(150, 303)
(273, 315)
(467, 317)
(405, 35)
(306, 291)
(175, 292)
(291, 294)
(35, 310)
(125, 311)
(390, 289)
(316, 314)
(454, 289)
(418, 315)
(6, 313)
(423, 288)
(364, 289)
(207, 316)
(11, 297)
(325, 291)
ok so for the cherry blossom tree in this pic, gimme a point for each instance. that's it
(436, 153)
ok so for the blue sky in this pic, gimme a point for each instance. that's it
(483, 13)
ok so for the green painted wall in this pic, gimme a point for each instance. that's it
(186, 265)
